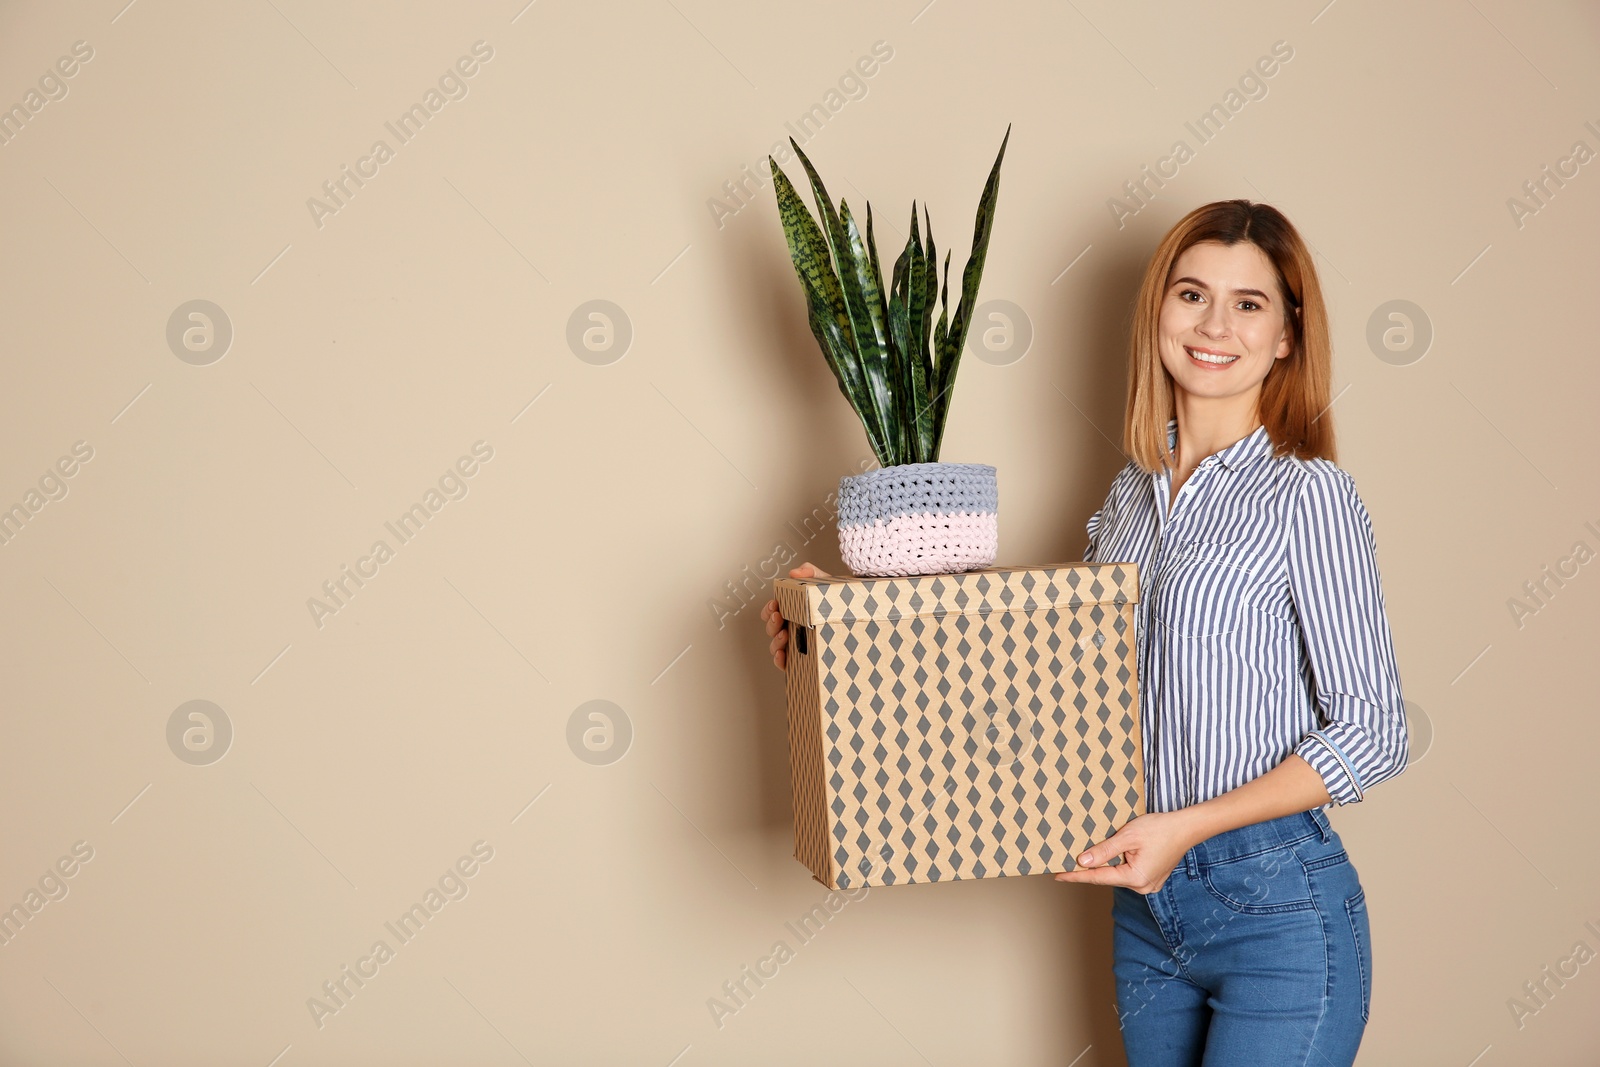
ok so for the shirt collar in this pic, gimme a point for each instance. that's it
(1247, 449)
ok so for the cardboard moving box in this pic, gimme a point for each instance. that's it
(971, 725)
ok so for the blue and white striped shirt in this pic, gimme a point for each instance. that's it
(1261, 624)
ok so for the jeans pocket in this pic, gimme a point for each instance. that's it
(1356, 909)
(1264, 884)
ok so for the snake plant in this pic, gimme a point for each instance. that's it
(878, 346)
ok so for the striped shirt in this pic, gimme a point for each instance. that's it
(1261, 624)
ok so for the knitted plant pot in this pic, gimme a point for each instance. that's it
(918, 518)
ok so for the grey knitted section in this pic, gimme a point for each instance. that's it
(913, 488)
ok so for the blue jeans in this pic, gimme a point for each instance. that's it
(1255, 950)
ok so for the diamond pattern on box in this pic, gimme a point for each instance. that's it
(972, 725)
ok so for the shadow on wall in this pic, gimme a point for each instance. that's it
(1084, 961)
(808, 402)
(1094, 318)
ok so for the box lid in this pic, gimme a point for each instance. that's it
(810, 601)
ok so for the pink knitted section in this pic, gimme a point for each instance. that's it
(927, 543)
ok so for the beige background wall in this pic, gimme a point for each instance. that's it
(628, 491)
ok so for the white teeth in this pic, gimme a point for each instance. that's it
(1207, 357)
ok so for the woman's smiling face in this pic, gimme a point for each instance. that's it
(1222, 320)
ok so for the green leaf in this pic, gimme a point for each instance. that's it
(900, 312)
(913, 372)
(892, 362)
(827, 312)
(912, 345)
(970, 277)
(941, 344)
(902, 413)
(863, 295)
(924, 291)
(868, 339)
(930, 282)
(830, 216)
(872, 249)
(920, 418)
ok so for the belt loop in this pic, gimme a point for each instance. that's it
(1191, 863)
(1320, 817)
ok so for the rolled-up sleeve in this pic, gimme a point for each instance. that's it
(1338, 598)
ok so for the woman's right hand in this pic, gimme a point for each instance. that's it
(775, 624)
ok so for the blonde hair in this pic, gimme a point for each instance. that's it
(1294, 397)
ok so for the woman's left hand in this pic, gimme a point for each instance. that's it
(1150, 846)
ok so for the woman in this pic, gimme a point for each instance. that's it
(1268, 683)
